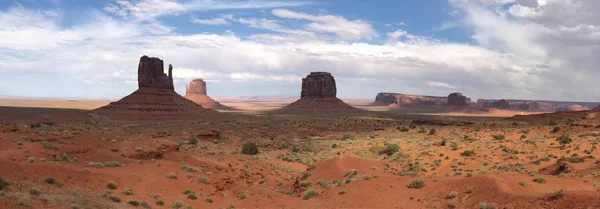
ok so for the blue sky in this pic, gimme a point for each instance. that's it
(522, 49)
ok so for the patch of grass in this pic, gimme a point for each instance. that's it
(186, 167)
(133, 203)
(402, 129)
(114, 198)
(250, 148)
(309, 194)
(416, 184)
(539, 179)
(113, 163)
(46, 144)
(451, 195)
(171, 176)
(558, 194)
(498, 137)
(128, 191)
(351, 173)
(305, 183)
(522, 183)
(468, 153)
(208, 200)
(432, 131)
(111, 185)
(564, 140)
(390, 149)
(48, 180)
(486, 205)
(192, 196)
(555, 129)
(342, 192)
(34, 191)
(204, 180)
(242, 196)
(177, 204)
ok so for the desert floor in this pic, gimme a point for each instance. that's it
(68, 158)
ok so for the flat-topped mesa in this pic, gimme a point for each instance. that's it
(457, 99)
(197, 86)
(151, 74)
(318, 84)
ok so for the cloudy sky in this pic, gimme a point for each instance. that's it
(522, 49)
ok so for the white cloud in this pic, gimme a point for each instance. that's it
(202, 5)
(445, 26)
(145, 9)
(345, 29)
(214, 21)
(515, 55)
(440, 84)
(396, 34)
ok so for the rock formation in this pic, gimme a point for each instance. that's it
(196, 92)
(573, 107)
(407, 100)
(319, 93)
(318, 84)
(457, 99)
(155, 92)
(151, 74)
(518, 105)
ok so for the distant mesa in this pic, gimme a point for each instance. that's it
(319, 93)
(457, 99)
(574, 107)
(518, 105)
(155, 92)
(196, 92)
(420, 101)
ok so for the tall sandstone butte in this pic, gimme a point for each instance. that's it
(155, 92)
(457, 99)
(319, 93)
(318, 84)
(151, 74)
(197, 93)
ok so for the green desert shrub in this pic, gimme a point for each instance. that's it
(390, 149)
(309, 194)
(250, 148)
(416, 184)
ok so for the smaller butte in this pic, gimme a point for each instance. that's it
(318, 94)
(196, 92)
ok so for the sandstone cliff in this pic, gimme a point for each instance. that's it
(196, 92)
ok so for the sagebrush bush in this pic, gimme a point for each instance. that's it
(416, 184)
(309, 194)
(250, 148)
(390, 149)
(111, 185)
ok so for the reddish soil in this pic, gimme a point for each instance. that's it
(207, 102)
(342, 157)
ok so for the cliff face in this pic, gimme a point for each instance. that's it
(196, 92)
(318, 94)
(151, 74)
(318, 84)
(517, 105)
(457, 99)
(407, 100)
(197, 86)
